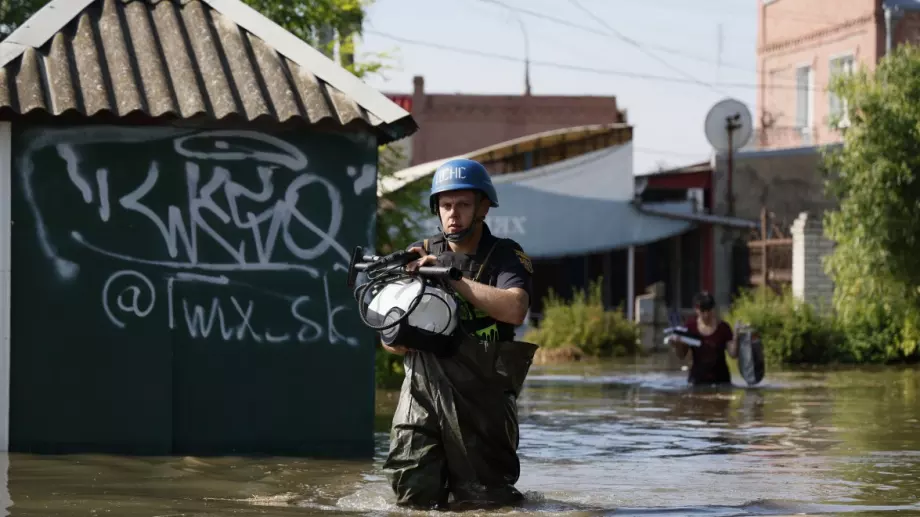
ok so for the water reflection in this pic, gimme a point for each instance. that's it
(596, 440)
(5, 500)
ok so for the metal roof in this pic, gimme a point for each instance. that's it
(721, 220)
(684, 169)
(186, 59)
(531, 142)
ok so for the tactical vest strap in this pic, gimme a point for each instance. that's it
(435, 244)
(485, 261)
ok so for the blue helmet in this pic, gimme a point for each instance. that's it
(461, 174)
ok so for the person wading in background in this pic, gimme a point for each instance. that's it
(716, 337)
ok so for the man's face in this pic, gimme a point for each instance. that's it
(457, 210)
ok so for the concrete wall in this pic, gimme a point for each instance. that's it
(454, 124)
(809, 247)
(786, 181)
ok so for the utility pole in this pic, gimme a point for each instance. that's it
(526, 54)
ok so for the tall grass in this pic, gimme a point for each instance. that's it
(584, 323)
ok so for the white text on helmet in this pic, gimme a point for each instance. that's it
(451, 173)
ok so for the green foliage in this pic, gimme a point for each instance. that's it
(389, 371)
(329, 26)
(397, 211)
(795, 332)
(882, 330)
(875, 182)
(14, 12)
(791, 331)
(583, 322)
(875, 177)
(876, 174)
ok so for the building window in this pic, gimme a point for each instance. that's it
(804, 109)
(838, 65)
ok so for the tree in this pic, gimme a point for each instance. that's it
(875, 177)
(329, 26)
(398, 210)
(14, 12)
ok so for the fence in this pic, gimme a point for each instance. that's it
(770, 252)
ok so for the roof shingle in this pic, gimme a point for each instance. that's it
(181, 59)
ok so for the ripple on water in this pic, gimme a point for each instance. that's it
(620, 443)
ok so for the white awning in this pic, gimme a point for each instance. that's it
(575, 207)
(550, 225)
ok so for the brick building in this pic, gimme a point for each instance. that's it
(802, 44)
(453, 124)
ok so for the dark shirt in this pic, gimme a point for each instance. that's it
(709, 365)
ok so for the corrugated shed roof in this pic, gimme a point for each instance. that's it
(212, 59)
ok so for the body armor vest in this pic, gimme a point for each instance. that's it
(481, 267)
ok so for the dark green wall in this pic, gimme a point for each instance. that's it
(183, 292)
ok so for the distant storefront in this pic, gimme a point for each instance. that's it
(569, 198)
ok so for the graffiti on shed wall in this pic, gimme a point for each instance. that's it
(212, 231)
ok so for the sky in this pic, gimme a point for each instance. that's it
(664, 60)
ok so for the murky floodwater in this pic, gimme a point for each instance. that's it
(604, 439)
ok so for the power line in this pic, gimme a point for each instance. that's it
(641, 48)
(576, 68)
(786, 14)
(669, 50)
(561, 21)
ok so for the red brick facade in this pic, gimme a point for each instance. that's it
(815, 33)
(453, 124)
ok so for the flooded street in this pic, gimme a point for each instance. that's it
(621, 439)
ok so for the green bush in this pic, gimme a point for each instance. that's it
(882, 329)
(389, 372)
(792, 331)
(584, 323)
(873, 181)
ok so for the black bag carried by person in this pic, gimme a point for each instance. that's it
(750, 354)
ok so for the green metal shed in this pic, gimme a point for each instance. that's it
(180, 185)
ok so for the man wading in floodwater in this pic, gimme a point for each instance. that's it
(455, 431)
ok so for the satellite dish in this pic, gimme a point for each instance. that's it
(728, 125)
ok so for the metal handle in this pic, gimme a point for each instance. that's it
(440, 272)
